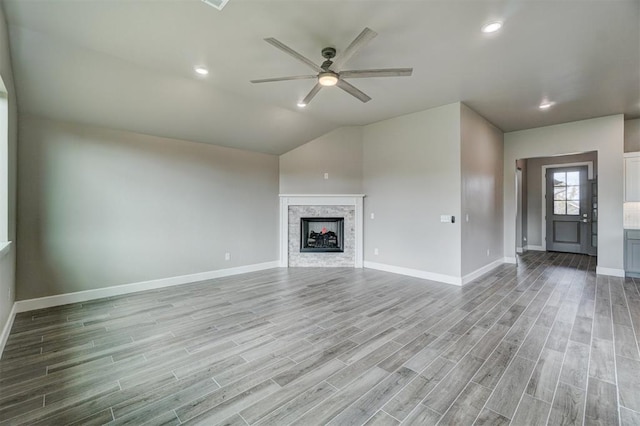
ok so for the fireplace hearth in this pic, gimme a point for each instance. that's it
(322, 234)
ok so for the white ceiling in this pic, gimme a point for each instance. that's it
(129, 64)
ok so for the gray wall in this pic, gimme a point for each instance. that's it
(632, 135)
(604, 135)
(7, 262)
(534, 189)
(481, 172)
(411, 175)
(101, 207)
(338, 153)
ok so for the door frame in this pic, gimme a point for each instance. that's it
(519, 196)
(543, 230)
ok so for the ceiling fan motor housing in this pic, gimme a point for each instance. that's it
(328, 52)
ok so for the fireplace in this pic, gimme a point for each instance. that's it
(322, 234)
(294, 207)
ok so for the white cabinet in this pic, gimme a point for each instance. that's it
(632, 176)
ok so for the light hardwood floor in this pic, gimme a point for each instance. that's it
(547, 342)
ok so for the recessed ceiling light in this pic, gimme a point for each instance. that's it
(301, 105)
(546, 105)
(201, 70)
(492, 27)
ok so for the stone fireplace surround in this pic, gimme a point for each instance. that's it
(295, 206)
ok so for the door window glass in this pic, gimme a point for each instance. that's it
(566, 193)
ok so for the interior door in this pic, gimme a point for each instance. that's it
(568, 215)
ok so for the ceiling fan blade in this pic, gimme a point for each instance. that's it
(311, 94)
(352, 90)
(295, 77)
(387, 72)
(286, 49)
(363, 38)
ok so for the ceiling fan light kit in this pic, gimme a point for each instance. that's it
(328, 78)
(330, 72)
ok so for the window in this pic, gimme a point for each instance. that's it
(566, 193)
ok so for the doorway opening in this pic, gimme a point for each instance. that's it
(557, 204)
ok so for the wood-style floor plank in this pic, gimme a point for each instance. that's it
(546, 342)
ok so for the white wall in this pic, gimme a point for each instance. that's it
(481, 173)
(411, 173)
(604, 135)
(101, 207)
(632, 135)
(7, 262)
(338, 153)
(521, 214)
(534, 189)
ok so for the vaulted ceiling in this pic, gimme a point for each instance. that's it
(130, 64)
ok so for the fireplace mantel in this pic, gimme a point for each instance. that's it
(287, 200)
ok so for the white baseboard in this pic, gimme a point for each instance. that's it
(519, 250)
(417, 273)
(481, 271)
(535, 248)
(7, 328)
(83, 296)
(447, 279)
(610, 271)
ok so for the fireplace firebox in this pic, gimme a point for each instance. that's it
(322, 234)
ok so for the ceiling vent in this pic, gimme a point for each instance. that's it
(218, 4)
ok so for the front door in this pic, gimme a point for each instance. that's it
(568, 214)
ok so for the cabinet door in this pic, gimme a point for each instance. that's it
(632, 178)
(633, 256)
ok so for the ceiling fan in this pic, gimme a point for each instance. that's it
(330, 72)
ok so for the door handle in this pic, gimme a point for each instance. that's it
(585, 220)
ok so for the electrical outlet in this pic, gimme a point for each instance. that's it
(227, 256)
(326, 175)
(9, 293)
(467, 218)
(373, 215)
(488, 252)
(375, 251)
